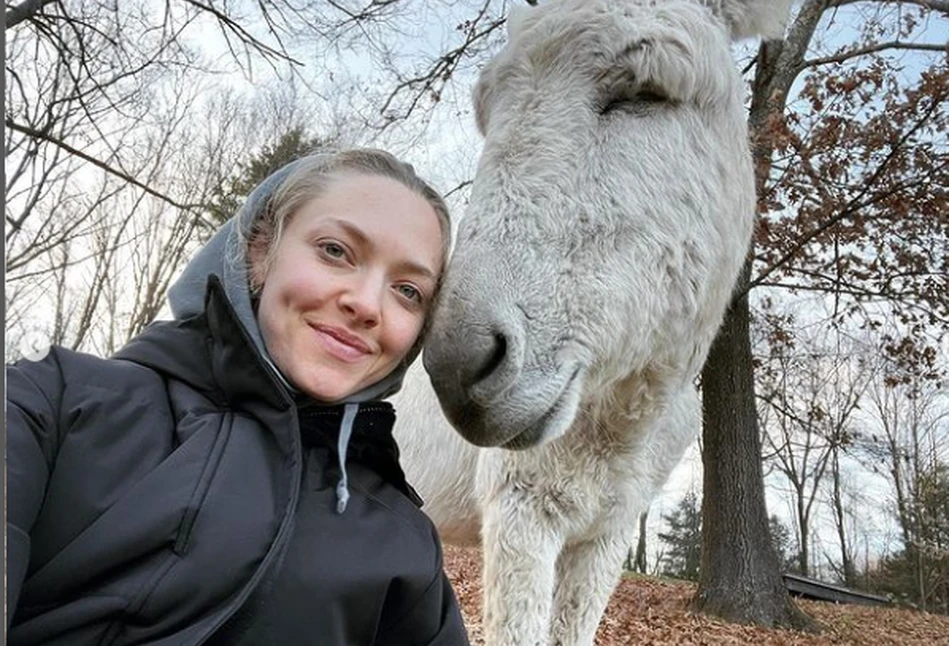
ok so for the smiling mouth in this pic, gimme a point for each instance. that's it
(340, 343)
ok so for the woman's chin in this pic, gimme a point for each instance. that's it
(331, 387)
(331, 382)
(328, 396)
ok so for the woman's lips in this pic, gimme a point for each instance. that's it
(340, 343)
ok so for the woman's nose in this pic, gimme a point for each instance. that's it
(362, 301)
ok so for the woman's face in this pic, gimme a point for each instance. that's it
(350, 285)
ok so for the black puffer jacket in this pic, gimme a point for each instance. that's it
(150, 494)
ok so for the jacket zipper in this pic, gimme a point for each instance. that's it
(277, 545)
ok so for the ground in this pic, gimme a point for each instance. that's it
(646, 611)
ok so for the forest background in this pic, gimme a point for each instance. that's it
(133, 129)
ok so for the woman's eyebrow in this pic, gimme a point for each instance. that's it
(363, 240)
(415, 268)
(353, 231)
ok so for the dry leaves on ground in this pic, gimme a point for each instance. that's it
(646, 611)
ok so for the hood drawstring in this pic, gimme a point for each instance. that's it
(345, 432)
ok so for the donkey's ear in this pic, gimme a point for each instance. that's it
(747, 18)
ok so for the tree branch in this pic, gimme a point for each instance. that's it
(228, 24)
(31, 132)
(441, 70)
(852, 206)
(909, 301)
(460, 186)
(935, 5)
(878, 47)
(17, 14)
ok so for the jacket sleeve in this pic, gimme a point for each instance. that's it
(434, 619)
(34, 392)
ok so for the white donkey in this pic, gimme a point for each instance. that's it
(609, 218)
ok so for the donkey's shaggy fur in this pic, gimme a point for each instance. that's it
(610, 215)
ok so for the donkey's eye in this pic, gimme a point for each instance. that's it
(642, 97)
(649, 94)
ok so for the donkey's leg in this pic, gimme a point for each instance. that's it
(587, 572)
(520, 554)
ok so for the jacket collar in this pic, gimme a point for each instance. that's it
(371, 444)
(215, 339)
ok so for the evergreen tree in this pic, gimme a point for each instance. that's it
(683, 538)
(293, 144)
(783, 543)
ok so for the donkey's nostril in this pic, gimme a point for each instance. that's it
(474, 362)
(494, 360)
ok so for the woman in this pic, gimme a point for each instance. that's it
(230, 477)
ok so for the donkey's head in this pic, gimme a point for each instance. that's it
(610, 213)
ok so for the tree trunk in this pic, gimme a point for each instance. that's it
(640, 563)
(740, 578)
(803, 533)
(846, 562)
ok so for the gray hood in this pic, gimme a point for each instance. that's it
(225, 255)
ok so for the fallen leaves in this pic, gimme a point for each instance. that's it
(648, 611)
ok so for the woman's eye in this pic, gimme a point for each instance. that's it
(409, 292)
(333, 250)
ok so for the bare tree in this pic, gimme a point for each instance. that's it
(636, 559)
(907, 439)
(843, 517)
(639, 561)
(117, 135)
(809, 388)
